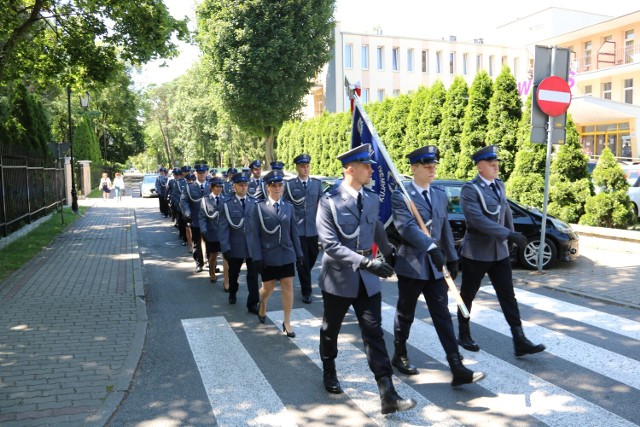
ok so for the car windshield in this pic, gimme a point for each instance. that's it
(149, 179)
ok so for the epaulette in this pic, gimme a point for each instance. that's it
(437, 187)
(370, 190)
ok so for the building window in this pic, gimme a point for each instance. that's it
(628, 46)
(516, 66)
(439, 62)
(395, 58)
(348, 56)
(365, 95)
(465, 63)
(452, 62)
(588, 90)
(380, 95)
(587, 55)
(628, 91)
(606, 90)
(380, 57)
(396, 93)
(478, 63)
(364, 56)
(491, 61)
(425, 61)
(409, 59)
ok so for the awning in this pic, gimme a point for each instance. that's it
(587, 109)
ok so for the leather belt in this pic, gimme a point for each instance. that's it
(365, 252)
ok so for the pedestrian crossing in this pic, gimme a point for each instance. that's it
(534, 390)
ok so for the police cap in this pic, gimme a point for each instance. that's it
(302, 158)
(274, 176)
(240, 177)
(425, 155)
(276, 165)
(358, 154)
(486, 153)
(255, 164)
(201, 168)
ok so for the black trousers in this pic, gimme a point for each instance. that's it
(369, 314)
(164, 206)
(435, 293)
(182, 226)
(310, 250)
(235, 264)
(502, 280)
(197, 244)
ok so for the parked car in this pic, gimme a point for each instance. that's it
(561, 242)
(148, 185)
(633, 178)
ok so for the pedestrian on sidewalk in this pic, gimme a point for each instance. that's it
(276, 247)
(118, 185)
(105, 186)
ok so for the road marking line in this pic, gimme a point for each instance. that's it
(238, 391)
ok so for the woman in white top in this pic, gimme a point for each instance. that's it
(118, 185)
(105, 186)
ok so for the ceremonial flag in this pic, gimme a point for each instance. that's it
(362, 132)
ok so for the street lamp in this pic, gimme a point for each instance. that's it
(74, 192)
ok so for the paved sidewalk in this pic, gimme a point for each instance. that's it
(73, 326)
(73, 321)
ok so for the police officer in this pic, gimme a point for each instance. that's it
(419, 264)
(348, 225)
(485, 248)
(305, 194)
(261, 190)
(208, 219)
(276, 247)
(161, 190)
(256, 176)
(234, 227)
(175, 191)
(227, 188)
(191, 202)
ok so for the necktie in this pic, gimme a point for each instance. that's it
(277, 206)
(495, 189)
(360, 202)
(201, 188)
(427, 199)
(217, 201)
(243, 204)
(304, 184)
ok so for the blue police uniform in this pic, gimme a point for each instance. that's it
(161, 191)
(305, 197)
(254, 183)
(485, 250)
(260, 191)
(190, 203)
(227, 188)
(417, 273)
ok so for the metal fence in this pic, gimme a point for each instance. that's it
(31, 186)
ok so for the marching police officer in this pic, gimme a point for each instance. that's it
(305, 194)
(208, 219)
(234, 227)
(176, 186)
(485, 248)
(227, 188)
(256, 176)
(261, 191)
(161, 190)
(419, 264)
(348, 225)
(191, 202)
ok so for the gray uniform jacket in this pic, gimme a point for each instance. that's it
(208, 218)
(234, 227)
(340, 274)
(305, 203)
(274, 236)
(487, 229)
(191, 201)
(227, 188)
(412, 259)
(254, 184)
(175, 191)
(161, 185)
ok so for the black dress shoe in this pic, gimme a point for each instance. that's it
(232, 298)
(198, 269)
(217, 269)
(213, 279)
(306, 299)
(226, 290)
(261, 318)
(331, 383)
(290, 334)
(253, 309)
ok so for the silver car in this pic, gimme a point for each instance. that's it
(148, 186)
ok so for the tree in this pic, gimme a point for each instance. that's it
(611, 207)
(432, 115)
(264, 55)
(41, 39)
(414, 120)
(505, 111)
(453, 110)
(395, 134)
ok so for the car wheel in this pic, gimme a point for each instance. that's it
(529, 254)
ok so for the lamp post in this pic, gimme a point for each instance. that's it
(74, 192)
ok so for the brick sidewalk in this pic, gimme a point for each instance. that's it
(72, 325)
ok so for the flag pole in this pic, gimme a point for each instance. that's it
(353, 96)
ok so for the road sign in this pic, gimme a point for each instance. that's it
(554, 96)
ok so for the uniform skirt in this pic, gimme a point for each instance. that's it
(277, 272)
(213, 247)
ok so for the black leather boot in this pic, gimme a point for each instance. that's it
(464, 336)
(522, 345)
(461, 374)
(401, 360)
(389, 399)
(331, 383)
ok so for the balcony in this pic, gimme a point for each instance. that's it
(608, 56)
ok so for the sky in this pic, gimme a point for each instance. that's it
(410, 18)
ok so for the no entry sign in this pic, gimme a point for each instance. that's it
(554, 96)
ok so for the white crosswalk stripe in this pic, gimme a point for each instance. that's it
(233, 381)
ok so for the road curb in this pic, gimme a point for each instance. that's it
(607, 233)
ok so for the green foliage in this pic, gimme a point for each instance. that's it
(475, 126)
(527, 188)
(263, 57)
(412, 136)
(608, 175)
(431, 119)
(24, 121)
(395, 134)
(567, 198)
(570, 162)
(505, 112)
(85, 142)
(453, 111)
